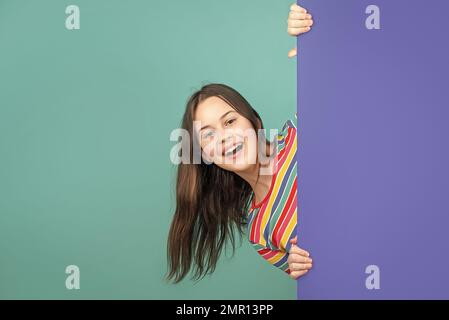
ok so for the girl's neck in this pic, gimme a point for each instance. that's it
(260, 183)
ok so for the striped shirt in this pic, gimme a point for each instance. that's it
(272, 222)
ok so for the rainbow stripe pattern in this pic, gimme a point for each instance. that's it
(272, 222)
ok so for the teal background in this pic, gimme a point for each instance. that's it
(85, 120)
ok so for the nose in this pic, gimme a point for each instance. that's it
(226, 135)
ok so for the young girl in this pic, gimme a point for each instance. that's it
(242, 181)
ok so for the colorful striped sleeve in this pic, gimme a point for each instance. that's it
(285, 228)
(277, 223)
(277, 258)
(290, 123)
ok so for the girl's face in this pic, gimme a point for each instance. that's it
(226, 138)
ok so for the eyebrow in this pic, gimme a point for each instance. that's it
(224, 115)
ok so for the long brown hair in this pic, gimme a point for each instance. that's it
(210, 202)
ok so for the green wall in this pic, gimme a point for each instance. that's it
(85, 119)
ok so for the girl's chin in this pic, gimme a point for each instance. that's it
(236, 167)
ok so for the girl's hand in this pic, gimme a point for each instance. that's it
(299, 260)
(299, 21)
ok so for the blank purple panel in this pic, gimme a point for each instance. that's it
(373, 118)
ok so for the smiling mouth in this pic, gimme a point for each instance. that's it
(234, 149)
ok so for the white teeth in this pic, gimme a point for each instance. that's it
(229, 151)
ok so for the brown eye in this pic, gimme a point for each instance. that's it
(230, 122)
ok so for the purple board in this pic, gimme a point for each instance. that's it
(373, 116)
